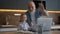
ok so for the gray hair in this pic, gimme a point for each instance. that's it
(31, 2)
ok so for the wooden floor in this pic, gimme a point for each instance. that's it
(52, 32)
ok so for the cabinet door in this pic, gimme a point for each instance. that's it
(58, 4)
(13, 4)
(52, 5)
(37, 3)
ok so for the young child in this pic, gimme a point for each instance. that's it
(23, 24)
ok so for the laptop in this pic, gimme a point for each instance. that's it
(45, 23)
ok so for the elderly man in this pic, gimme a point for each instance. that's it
(32, 13)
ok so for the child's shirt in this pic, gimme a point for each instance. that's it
(23, 26)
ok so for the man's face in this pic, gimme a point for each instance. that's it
(31, 7)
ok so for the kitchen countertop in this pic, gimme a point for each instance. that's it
(15, 29)
(8, 29)
(55, 27)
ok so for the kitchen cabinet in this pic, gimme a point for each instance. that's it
(13, 4)
(52, 32)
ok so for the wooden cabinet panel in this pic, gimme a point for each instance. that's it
(7, 32)
(52, 32)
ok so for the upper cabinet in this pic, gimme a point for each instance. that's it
(22, 4)
(53, 4)
(37, 3)
(59, 4)
(13, 4)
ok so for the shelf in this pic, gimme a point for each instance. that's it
(55, 27)
(11, 10)
(8, 25)
(54, 12)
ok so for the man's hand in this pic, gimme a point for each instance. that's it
(32, 24)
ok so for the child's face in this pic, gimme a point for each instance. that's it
(24, 18)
